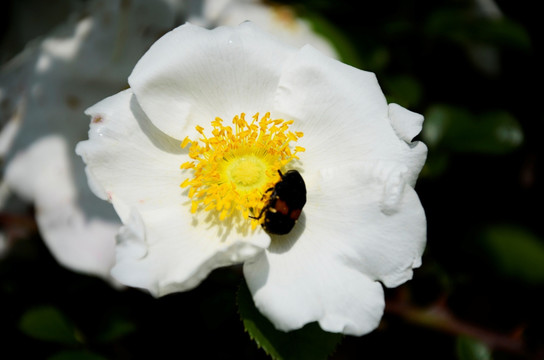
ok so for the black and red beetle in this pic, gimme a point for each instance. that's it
(285, 204)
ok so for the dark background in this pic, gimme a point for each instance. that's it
(478, 294)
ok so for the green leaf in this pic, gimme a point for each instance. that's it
(48, 324)
(76, 355)
(504, 33)
(310, 342)
(470, 349)
(116, 328)
(446, 23)
(515, 251)
(457, 130)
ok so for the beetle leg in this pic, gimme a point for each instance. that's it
(267, 190)
(260, 213)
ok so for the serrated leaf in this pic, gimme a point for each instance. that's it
(47, 323)
(515, 251)
(470, 349)
(310, 342)
(76, 355)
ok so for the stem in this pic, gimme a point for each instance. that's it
(440, 318)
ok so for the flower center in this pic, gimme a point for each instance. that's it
(246, 172)
(235, 166)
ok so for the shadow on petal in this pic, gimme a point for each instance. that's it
(283, 243)
(161, 140)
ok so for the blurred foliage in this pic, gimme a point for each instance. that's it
(455, 130)
(471, 74)
(470, 349)
(450, 130)
(48, 324)
(458, 26)
(515, 252)
(75, 354)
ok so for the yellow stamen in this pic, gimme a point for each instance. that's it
(185, 142)
(235, 166)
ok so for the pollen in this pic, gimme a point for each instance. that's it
(234, 167)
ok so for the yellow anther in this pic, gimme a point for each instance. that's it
(185, 142)
(235, 166)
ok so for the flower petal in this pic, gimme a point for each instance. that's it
(407, 124)
(79, 237)
(162, 247)
(181, 259)
(43, 92)
(293, 288)
(220, 72)
(121, 145)
(376, 217)
(343, 114)
(335, 105)
(280, 20)
(328, 268)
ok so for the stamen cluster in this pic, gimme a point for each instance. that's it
(235, 166)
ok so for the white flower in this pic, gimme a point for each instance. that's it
(362, 224)
(44, 91)
(279, 20)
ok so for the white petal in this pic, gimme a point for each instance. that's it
(162, 247)
(293, 287)
(121, 145)
(191, 75)
(343, 114)
(279, 20)
(335, 105)
(77, 228)
(103, 41)
(169, 257)
(8, 134)
(407, 124)
(45, 90)
(78, 241)
(329, 268)
(372, 218)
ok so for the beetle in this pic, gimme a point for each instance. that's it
(285, 204)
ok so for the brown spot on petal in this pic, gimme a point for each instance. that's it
(97, 119)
